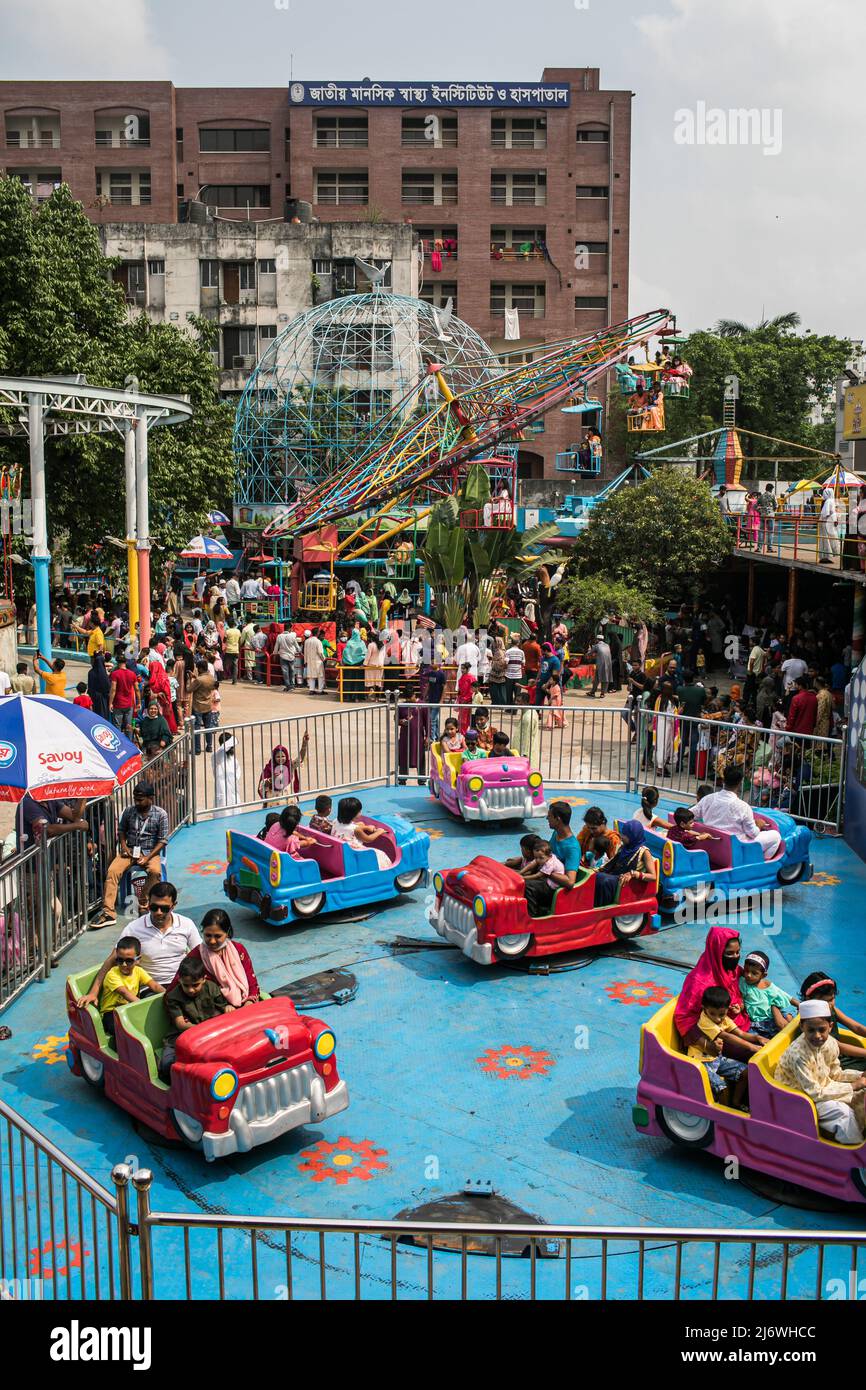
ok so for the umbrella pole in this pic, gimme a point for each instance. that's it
(40, 554)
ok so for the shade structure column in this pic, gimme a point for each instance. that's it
(40, 555)
(131, 556)
(142, 528)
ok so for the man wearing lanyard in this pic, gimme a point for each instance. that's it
(165, 936)
(143, 835)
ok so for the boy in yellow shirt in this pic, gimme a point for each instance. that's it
(708, 1041)
(123, 981)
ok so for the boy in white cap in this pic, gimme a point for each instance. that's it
(811, 1065)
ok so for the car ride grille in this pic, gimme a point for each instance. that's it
(263, 1099)
(457, 915)
(499, 798)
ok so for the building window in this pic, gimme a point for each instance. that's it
(40, 183)
(434, 130)
(594, 136)
(132, 277)
(33, 132)
(432, 188)
(155, 267)
(590, 301)
(529, 299)
(517, 243)
(441, 239)
(237, 195)
(519, 188)
(123, 187)
(342, 132)
(321, 267)
(518, 132)
(239, 349)
(267, 331)
(267, 267)
(115, 131)
(590, 191)
(241, 141)
(247, 275)
(209, 274)
(438, 293)
(342, 189)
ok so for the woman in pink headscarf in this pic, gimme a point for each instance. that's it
(159, 686)
(718, 965)
(226, 961)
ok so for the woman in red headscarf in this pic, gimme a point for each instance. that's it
(718, 965)
(159, 686)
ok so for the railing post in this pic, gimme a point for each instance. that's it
(628, 747)
(120, 1176)
(189, 725)
(45, 927)
(142, 1181)
(390, 742)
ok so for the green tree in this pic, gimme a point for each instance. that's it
(785, 380)
(587, 598)
(661, 537)
(60, 313)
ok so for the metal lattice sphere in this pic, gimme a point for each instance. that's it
(342, 376)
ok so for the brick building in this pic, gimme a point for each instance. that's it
(526, 188)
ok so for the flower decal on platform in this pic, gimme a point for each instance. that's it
(342, 1161)
(51, 1259)
(515, 1061)
(822, 880)
(431, 831)
(208, 866)
(51, 1049)
(637, 992)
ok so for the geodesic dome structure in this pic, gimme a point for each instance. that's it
(341, 376)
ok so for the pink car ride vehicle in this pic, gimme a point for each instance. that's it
(486, 789)
(778, 1134)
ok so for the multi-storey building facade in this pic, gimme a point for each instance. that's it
(520, 194)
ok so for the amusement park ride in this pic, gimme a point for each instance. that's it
(422, 447)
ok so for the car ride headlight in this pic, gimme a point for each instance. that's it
(438, 882)
(479, 907)
(535, 779)
(224, 1084)
(476, 784)
(324, 1045)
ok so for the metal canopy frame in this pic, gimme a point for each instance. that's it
(36, 408)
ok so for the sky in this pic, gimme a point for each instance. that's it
(738, 228)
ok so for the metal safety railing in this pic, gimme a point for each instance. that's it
(65, 1236)
(566, 744)
(802, 774)
(789, 535)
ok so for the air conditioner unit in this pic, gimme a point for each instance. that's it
(245, 362)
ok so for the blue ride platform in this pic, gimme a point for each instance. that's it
(458, 1075)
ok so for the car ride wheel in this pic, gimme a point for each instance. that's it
(512, 947)
(690, 1131)
(232, 890)
(265, 907)
(791, 873)
(406, 882)
(310, 906)
(93, 1070)
(189, 1129)
(628, 925)
(697, 896)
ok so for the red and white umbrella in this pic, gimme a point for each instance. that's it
(205, 548)
(52, 748)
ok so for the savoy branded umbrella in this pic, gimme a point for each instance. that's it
(52, 749)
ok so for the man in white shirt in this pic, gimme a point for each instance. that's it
(792, 670)
(726, 810)
(165, 936)
(468, 651)
(287, 649)
(5, 683)
(252, 587)
(233, 593)
(515, 660)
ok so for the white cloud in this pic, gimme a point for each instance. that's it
(82, 40)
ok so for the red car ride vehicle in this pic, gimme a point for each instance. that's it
(482, 909)
(238, 1081)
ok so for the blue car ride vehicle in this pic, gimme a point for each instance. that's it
(726, 864)
(330, 876)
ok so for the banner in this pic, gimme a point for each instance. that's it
(548, 95)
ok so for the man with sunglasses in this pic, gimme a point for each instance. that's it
(166, 938)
